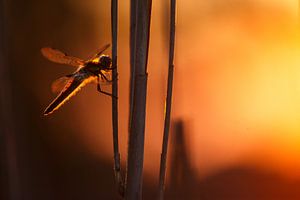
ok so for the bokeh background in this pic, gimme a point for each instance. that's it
(235, 131)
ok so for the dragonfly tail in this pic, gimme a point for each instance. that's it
(71, 88)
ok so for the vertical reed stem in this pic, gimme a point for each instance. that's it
(132, 57)
(135, 159)
(114, 31)
(163, 160)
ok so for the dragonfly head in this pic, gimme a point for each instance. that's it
(105, 61)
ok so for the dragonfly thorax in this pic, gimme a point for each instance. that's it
(105, 62)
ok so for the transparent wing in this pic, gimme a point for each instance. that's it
(69, 86)
(59, 84)
(57, 56)
(100, 51)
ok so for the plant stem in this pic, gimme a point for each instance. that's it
(114, 31)
(137, 124)
(163, 159)
(132, 57)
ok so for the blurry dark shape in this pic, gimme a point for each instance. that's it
(236, 182)
(88, 71)
(163, 160)
(182, 178)
(115, 119)
(135, 157)
(9, 173)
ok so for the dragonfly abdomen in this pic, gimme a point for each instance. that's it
(72, 87)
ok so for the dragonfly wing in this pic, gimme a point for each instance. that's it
(100, 51)
(59, 84)
(57, 56)
(71, 88)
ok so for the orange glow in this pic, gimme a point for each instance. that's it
(243, 89)
(237, 85)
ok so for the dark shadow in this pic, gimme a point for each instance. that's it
(234, 183)
(44, 169)
(182, 178)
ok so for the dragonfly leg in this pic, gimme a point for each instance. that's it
(99, 89)
(115, 77)
(103, 76)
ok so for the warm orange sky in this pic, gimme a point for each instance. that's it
(237, 84)
(244, 80)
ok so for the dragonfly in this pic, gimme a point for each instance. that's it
(96, 69)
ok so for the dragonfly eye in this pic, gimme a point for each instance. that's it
(105, 61)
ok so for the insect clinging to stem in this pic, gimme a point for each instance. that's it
(96, 69)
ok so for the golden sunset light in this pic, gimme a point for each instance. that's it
(235, 115)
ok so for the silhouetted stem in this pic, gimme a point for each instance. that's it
(137, 124)
(114, 31)
(132, 56)
(163, 159)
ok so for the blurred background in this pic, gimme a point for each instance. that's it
(236, 112)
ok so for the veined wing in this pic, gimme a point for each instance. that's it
(57, 56)
(100, 51)
(73, 85)
(59, 84)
